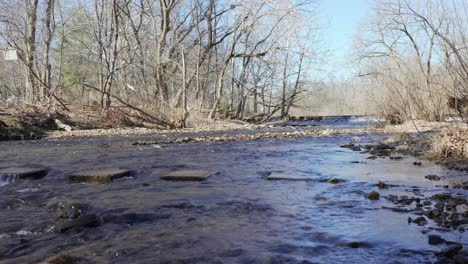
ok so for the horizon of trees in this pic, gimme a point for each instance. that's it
(165, 59)
(414, 55)
(169, 59)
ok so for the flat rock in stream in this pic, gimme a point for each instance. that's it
(23, 173)
(432, 177)
(287, 177)
(98, 176)
(187, 175)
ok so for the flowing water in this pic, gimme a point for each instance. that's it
(236, 216)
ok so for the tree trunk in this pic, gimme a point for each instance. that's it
(30, 51)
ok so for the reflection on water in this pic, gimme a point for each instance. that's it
(236, 216)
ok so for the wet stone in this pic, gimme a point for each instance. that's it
(451, 250)
(420, 221)
(427, 203)
(62, 259)
(432, 177)
(187, 175)
(335, 180)
(23, 173)
(373, 195)
(71, 211)
(442, 196)
(383, 185)
(435, 240)
(98, 176)
(444, 260)
(418, 211)
(91, 220)
(351, 146)
(460, 259)
(286, 177)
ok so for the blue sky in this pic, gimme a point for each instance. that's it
(341, 19)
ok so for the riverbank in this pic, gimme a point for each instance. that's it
(443, 143)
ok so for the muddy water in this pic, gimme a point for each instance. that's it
(236, 216)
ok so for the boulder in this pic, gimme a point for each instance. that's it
(98, 176)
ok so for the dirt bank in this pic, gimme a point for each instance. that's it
(443, 143)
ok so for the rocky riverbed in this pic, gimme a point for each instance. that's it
(313, 198)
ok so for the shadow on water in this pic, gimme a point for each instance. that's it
(236, 216)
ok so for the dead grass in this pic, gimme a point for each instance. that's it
(450, 144)
(418, 126)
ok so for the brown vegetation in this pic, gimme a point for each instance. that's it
(413, 54)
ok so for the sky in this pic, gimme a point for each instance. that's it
(342, 19)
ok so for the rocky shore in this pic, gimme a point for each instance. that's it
(447, 210)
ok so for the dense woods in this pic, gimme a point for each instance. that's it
(163, 59)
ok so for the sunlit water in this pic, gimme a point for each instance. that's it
(236, 216)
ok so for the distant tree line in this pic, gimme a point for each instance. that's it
(166, 59)
(415, 56)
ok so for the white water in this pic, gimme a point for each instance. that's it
(6, 179)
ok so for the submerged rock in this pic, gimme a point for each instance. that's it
(357, 244)
(24, 172)
(91, 220)
(335, 180)
(373, 195)
(98, 176)
(450, 251)
(460, 259)
(62, 259)
(383, 185)
(420, 221)
(432, 177)
(442, 196)
(187, 175)
(287, 177)
(435, 240)
(351, 146)
(71, 211)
